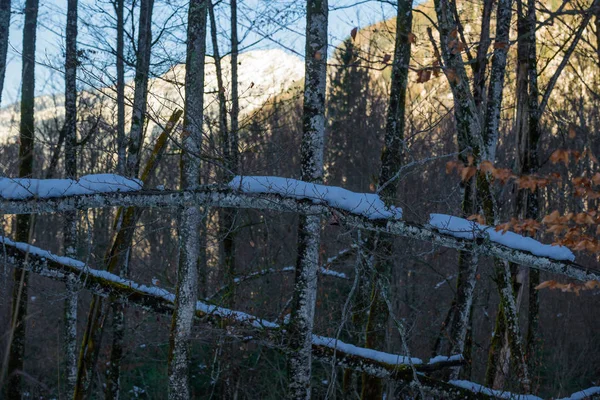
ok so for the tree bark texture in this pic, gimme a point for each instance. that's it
(17, 336)
(309, 228)
(391, 162)
(189, 226)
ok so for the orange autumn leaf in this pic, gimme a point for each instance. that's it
(560, 155)
(467, 173)
(546, 284)
(551, 218)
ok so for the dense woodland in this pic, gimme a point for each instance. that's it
(409, 212)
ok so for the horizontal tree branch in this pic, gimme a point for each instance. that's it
(160, 300)
(219, 196)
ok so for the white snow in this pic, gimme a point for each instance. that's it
(375, 355)
(477, 388)
(366, 204)
(26, 188)
(254, 321)
(583, 394)
(439, 359)
(462, 228)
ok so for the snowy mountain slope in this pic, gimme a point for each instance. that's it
(262, 74)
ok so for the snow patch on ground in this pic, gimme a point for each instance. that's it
(477, 388)
(462, 228)
(26, 188)
(369, 205)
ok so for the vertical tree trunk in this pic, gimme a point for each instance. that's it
(121, 145)
(70, 243)
(4, 31)
(391, 161)
(309, 229)
(469, 134)
(24, 222)
(235, 102)
(142, 72)
(187, 273)
(226, 215)
(482, 50)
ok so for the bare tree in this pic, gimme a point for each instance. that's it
(24, 229)
(142, 73)
(309, 228)
(391, 162)
(4, 31)
(70, 241)
(187, 273)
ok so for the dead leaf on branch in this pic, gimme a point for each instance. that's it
(423, 75)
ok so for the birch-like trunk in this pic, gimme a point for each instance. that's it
(189, 242)
(142, 72)
(391, 161)
(4, 32)
(309, 228)
(16, 353)
(469, 135)
(70, 230)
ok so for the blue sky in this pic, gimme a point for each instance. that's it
(344, 15)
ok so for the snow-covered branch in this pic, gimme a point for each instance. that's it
(160, 300)
(367, 217)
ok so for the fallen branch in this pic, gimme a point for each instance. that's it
(224, 197)
(159, 300)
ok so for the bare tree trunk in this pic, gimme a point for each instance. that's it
(16, 353)
(142, 72)
(70, 231)
(469, 134)
(482, 49)
(189, 242)
(121, 145)
(391, 161)
(235, 101)
(309, 229)
(4, 32)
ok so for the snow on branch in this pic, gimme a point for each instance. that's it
(225, 197)
(496, 394)
(366, 204)
(584, 394)
(26, 188)
(160, 300)
(462, 228)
